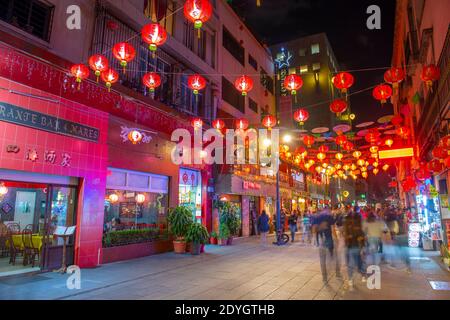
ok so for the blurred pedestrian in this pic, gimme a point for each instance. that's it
(399, 236)
(354, 242)
(293, 224)
(263, 227)
(306, 227)
(374, 229)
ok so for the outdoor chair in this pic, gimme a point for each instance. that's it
(30, 250)
(14, 250)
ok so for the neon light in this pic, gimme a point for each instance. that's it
(396, 153)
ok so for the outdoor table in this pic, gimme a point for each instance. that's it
(36, 239)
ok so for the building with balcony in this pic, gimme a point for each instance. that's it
(422, 37)
(69, 158)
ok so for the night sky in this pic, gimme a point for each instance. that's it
(344, 21)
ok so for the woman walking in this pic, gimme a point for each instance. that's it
(374, 230)
(263, 227)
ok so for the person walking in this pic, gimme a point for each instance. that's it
(374, 229)
(354, 242)
(293, 224)
(306, 227)
(399, 236)
(323, 228)
(263, 227)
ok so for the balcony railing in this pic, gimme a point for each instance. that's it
(437, 99)
(173, 91)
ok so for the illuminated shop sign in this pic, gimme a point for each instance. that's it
(396, 153)
(246, 185)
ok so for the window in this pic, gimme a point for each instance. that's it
(32, 16)
(266, 81)
(302, 52)
(315, 48)
(316, 66)
(164, 14)
(190, 103)
(304, 69)
(188, 35)
(232, 96)
(252, 62)
(252, 105)
(233, 46)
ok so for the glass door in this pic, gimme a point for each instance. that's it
(61, 212)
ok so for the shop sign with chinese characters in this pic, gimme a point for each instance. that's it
(246, 185)
(49, 156)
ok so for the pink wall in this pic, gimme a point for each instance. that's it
(88, 159)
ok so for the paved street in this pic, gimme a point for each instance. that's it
(242, 271)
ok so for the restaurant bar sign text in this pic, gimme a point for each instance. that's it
(17, 115)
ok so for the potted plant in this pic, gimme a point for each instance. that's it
(213, 238)
(179, 220)
(224, 234)
(197, 235)
(230, 217)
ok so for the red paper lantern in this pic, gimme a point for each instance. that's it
(324, 149)
(196, 83)
(308, 141)
(382, 92)
(197, 123)
(423, 174)
(301, 115)
(269, 121)
(80, 72)
(218, 124)
(343, 81)
(372, 136)
(154, 35)
(394, 76)
(151, 80)
(244, 84)
(403, 132)
(124, 52)
(397, 120)
(338, 106)
(348, 146)
(241, 124)
(430, 73)
(445, 142)
(340, 140)
(197, 11)
(440, 152)
(98, 64)
(447, 162)
(110, 76)
(293, 83)
(388, 141)
(435, 166)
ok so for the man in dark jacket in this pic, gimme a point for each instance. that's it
(354, 242)
(323, 227)
(263, 227)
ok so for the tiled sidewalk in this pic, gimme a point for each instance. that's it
(242, 271)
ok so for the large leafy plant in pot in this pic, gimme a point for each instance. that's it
(179, 219)
(197, 235)
(224, 234)
(230, 216)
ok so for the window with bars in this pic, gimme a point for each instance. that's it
(266, 81)
(252, 105)
(32, 16)
(252, 62)
(232, 96)
(193, 42)
(233, 46)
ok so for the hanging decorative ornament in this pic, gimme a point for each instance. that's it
(373, 149)
(403, 132)
(324, 149)
(113, 198)
(361, 162)
(110, 76)
(348, 146)
(98, 64)
(394, 76)
(196, 83)
(382, 92)
(293, 83)
(388, 141)
(340, 140)
(151, 80)
(397, 120)
(301, 116)
(343, 81)
(339, 156)
(435, 166)
(244, 84)
(241, 124)
(423, 174)
(218, 124)
(80, 72)
(198, 12)
(447, 162)
(430, 73)
(269, 122)
(385, 167)
(440, 152)
(445, 142)
(372, 136)
(338, 106)
(197, 123)
(375, 171)
(365, 175)
(3, 189)
(135, 136)
(124, 52)
(154, 35)
(308, 141)
(357, 154)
